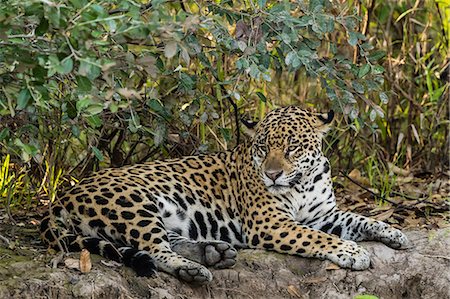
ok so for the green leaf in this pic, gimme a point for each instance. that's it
(261, 96)
(377, 69)
(75, 131)
(226, 133)
(84, 84)
(89, 68)
(66, 66)
(384, 98)
(94, 109)
(83, 103)
(254, 71)
(23, 99)
(290, 57)
(352, 38)
(364, 70)
(359, 88)
(98, 154)
(94, 121)
(4, 134)
(377, 55)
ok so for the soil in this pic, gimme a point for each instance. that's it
(29, 270)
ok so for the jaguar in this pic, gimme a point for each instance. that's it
(181, 216)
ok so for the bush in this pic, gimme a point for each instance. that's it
(88, 83)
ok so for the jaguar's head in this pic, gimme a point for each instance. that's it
(287, 144)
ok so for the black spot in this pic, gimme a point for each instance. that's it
(349, 221)
(268, 246)
(69, 206)
(224, 234)
(218, 215)
(135, 197)
(306, 243)
(81, 209)
(146, 236)
(91, 212)
(315, 207)
(326, 227)
(152, 208)
(180, 201)
(237, 234)
(112, 215)
(337, 231)
(193, 233)
(156, 230)
(100, 200)
(105, 211)
(144, 213)
(134, 233)
(190, 200)
(285, 247)
(124, 202)
(255, 240)
(143, 223)
(214, 225)
(97, 223)
(121, 227)
(167, 214)
(127, 215)
(108, 194)
(301, 250)
(283, 234)
(201, 223)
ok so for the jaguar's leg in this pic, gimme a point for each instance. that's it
(354, 227)
(217, 254)
(155, 241)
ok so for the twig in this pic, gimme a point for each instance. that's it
(397, 205)
(437, 256)
(4, 239)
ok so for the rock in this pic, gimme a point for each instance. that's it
(419, 272)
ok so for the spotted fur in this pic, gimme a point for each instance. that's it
(272, 192)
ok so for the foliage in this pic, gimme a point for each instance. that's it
(90, 83)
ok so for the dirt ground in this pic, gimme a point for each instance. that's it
(418, 206)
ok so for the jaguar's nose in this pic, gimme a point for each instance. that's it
(273, 174)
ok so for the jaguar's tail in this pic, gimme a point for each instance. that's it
(59, 234)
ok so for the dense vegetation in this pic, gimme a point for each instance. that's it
(89, 84)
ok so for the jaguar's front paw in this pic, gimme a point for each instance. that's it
(350, 255)
(394, 238)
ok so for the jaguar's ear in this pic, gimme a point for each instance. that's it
(324, 121)
(249, 127)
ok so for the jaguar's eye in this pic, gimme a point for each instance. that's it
(291, 149)
(262, 149)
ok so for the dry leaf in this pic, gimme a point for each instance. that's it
(332, 266)
(385, 215)
(85, 261)
(398, 171)
(72, 263)
(170, 49)
(315, 280)
(294, 291)
(129, 93)
(355, 175)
